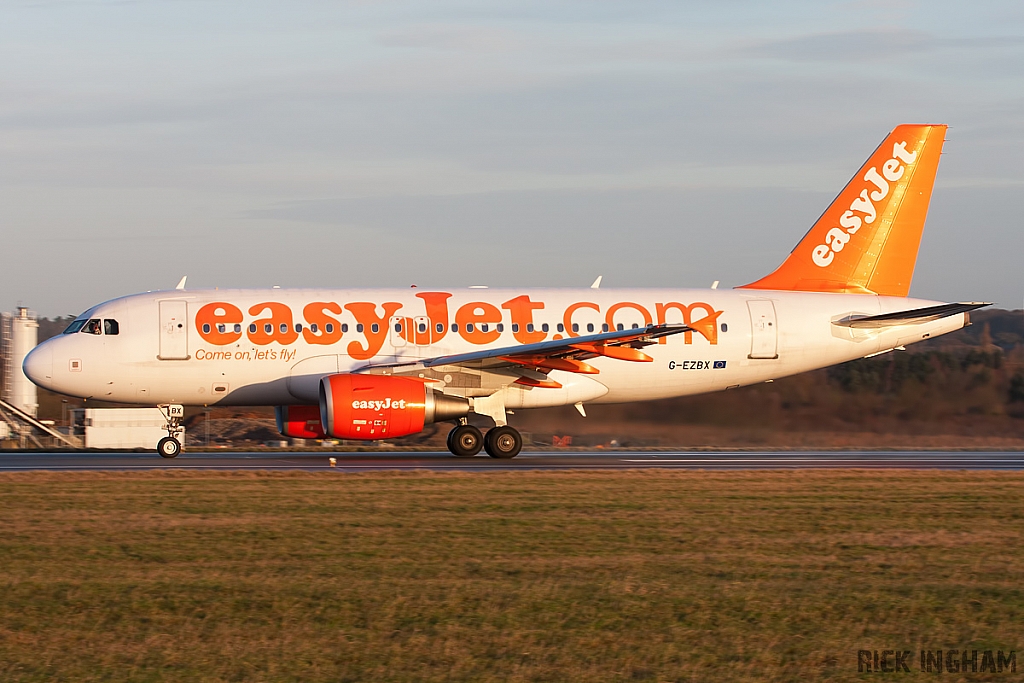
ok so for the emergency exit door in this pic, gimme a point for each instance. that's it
(173, 330)
(764, 330)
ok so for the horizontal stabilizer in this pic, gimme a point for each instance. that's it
(911, 317)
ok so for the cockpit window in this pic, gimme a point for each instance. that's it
(75, 326)
(110, 326)
(92, 327)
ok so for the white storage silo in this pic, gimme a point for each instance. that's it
(24, 335)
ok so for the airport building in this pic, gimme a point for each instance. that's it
(119, 427)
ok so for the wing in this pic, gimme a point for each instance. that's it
(911, 317)
(531, 362)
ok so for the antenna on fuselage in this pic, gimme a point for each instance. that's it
(181, 283)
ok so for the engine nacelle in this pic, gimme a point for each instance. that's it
(299, 422)
(382, 406)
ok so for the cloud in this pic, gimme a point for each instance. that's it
(454, 37)
(871, 45)
(845, 46)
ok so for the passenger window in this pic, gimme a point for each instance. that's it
(634, 326)
(75, 326)
(529, 327)
(439, 327)
(575, 327)
(284, 328)
(725, 328)
(329, 328)
(544, 327)
(344, 328)
(515, 327)
(455, 327)
(206, 328)
(604, 327)
(238, 329)
(110, 326)
(93, 327)
(501, 327)
(483, 327)
(398, 327)
(590, 327)
(268, 328)
(375, 328)
(619, 327)
(469, 327)
(298, 327)
(359, 327)
(252, 328)
(221, 327)
(313, 328)
(422, 327)
(561, 327)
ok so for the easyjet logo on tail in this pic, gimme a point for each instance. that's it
(863, 208)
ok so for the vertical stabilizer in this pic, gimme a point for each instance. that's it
(867, 241)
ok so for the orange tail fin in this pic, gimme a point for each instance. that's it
(866, 242)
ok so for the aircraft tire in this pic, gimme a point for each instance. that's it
(465, 441)
(503, 443)
(168, 447)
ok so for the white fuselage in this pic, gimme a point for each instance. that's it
(259, 347)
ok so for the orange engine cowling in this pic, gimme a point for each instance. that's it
(382, 406)
(299, 422)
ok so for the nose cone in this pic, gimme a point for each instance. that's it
(38, 365)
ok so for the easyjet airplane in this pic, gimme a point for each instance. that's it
(377, 364)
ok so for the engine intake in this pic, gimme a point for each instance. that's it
(381, 406)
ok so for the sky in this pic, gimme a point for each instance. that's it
(446, 144)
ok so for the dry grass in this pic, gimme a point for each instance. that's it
(662, 576)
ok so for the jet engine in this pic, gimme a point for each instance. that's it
(382, 406)
(299, 422)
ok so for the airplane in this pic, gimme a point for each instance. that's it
(372, 364)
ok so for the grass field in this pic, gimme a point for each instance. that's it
(604, 576)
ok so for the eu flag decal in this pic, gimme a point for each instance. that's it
(719, 365)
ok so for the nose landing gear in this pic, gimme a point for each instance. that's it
(170, 445)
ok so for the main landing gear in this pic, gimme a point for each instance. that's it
(465, 441)
(170, 445)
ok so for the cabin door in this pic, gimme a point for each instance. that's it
(764, 330)
(173, 330)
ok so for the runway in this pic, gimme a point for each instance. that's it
(555, 460)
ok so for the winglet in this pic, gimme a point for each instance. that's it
(181, 283)
(597, 282)
(866, 242)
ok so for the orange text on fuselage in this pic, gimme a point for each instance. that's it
(477, 322)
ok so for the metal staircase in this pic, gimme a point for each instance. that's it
(11, 414)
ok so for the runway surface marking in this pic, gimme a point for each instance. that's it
(551, 460)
